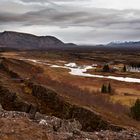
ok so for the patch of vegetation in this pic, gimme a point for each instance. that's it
(106, 89)
(124, 68)
(135, 110)
(106, 68)
(135, 64)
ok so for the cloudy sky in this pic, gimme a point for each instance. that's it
(77, 21)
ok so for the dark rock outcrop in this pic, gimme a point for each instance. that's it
(60, 108)
(5, 68)
(17, 125)
(10, 101)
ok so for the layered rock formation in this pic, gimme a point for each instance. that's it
(16, 125)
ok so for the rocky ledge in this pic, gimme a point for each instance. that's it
(18, 125)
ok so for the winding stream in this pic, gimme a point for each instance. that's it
(81, 71)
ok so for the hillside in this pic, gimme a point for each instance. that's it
(33, 83)
(9, 39)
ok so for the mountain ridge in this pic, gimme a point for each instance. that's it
(134, 44)
(19, 40)
(27, 41)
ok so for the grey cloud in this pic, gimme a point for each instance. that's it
(43, 1)
(87, 17)
(102, 24)
(91, 17)
(8, 18)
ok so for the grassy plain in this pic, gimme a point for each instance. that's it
(83, 90)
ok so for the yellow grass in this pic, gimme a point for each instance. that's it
(124, 100)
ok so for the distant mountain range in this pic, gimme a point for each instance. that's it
(126, 44)
(16, 40)
(24, 41)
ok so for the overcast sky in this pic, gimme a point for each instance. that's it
(77, 21)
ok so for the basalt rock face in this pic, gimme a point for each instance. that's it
(10, 101)
(60, 108)
(18, 125)
(4, 67)
(21, 41)
(7, 98)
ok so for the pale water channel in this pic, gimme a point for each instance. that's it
(81, 71)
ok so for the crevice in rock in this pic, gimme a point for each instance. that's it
(60, 108)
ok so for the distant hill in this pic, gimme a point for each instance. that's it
(126, 44)
(16, 40)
